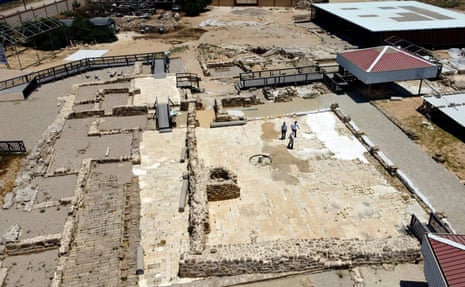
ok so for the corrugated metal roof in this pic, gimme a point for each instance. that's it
(385, 58)
(451, 105)
(378, 16)
(450, 257)
(446, 100)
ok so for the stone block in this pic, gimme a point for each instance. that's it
(11, 234)
(8, 200)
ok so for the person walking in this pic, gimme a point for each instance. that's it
(290, 145)
(294, 127)
(283, 131)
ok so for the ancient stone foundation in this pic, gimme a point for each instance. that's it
(313, 255)
(33, 245)
(222, 185)
(240, 101)
(199, 226)
(126, 111)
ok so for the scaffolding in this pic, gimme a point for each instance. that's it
(26, 32)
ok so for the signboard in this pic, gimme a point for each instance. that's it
(3, 59)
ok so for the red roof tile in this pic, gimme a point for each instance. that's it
(449, 250)
(385, 58)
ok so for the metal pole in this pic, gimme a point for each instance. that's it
(419, 88)
(17, 57)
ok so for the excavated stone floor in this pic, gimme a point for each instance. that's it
(328, 186)
(312, 191)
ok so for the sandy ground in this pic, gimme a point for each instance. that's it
(431, 138)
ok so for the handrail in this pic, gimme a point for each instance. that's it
(278, 72)
(79, 66)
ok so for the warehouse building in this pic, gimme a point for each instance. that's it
(370, 23)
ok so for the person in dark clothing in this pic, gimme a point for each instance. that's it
(290, 145)
(283, 131)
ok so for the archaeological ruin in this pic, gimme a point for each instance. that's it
(170, 168)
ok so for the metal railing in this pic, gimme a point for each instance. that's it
(278, 72)
(80, 66)
(187, 80)
(279, 77)
(15, 146)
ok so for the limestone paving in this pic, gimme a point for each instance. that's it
(164, 230)
(159, 89)
(307, 192)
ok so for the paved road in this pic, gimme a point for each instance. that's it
(442, 189)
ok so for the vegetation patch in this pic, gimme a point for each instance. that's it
(9, 168)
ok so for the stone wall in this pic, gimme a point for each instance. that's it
(199, 225)
(32, 245)
(87, 114)
(113, 91)
(240, 101)
(124, 111)
(205, 184)
(313, 255)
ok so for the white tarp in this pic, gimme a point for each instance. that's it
(83, 54)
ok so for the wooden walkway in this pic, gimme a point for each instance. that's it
(280, 77)
(163, 117)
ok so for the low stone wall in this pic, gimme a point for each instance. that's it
(113, 91)
(313, 255)
(240, 101)
(36, 244)
(124, 111)
(86, 114)
(199, 225)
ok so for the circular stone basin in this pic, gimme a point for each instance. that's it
(260, 160)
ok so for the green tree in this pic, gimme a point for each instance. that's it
(195, 7)
(82, 30)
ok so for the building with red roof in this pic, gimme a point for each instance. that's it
(444, 260)
(386, 64)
